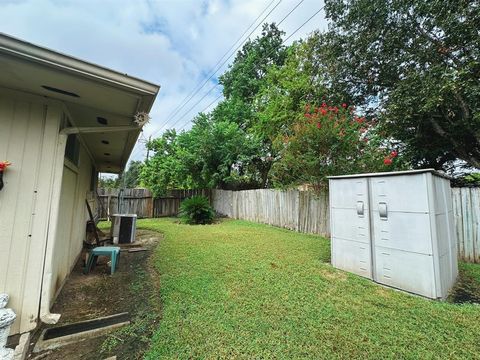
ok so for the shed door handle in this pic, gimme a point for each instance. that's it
(360, 208)
(382, 210)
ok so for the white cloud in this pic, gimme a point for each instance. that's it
(174, 43)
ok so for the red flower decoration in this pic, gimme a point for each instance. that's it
(344, 105)
(4, 165)
(387, 161)
(319, 125)
(393, 154)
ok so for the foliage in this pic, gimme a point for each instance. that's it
(220, 150)
(108, 182)
(131, 178)
(277, 289)
(211, 154)
(330, 140)
(244, 77)
(197, 210)
(287, 88)
(165, 169)
(416, 64)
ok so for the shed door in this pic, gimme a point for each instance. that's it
(350, 221)
(402, 247)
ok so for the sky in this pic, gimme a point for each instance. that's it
(175, 44)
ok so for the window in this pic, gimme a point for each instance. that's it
(72, 149)
(93, 179)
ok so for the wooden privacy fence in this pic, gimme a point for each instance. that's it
(142, 202)
(296, 210)
(466, 208)
(304, 212)
(301, 211)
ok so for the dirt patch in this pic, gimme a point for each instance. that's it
(466, 289)
(133, 288)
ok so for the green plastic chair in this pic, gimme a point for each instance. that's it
(112, 251)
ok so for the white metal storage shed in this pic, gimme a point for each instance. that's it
(396, 228)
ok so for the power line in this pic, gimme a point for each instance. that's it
(283, 42)
(197, 89)
(186, 113)
(216, 68)
(204, 109)
(216, 85)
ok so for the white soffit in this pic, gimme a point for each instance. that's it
(89, 92)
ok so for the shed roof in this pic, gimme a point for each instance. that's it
(94, 96)
(391, 173)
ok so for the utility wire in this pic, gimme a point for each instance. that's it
(216, 85)
(219, 64)
(266, 56)
(204, 109)
(215, 69)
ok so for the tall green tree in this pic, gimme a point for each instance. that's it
(211, 154)
(241, 84)
(416, 65)
(131, 178)
(166, 168)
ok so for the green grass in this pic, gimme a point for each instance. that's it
(244, 290)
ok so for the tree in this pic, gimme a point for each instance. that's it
(165, 169)
(211, 154)
(108, 182)
(416, 65)
(330, 140)
(241, 85)
(131, 178)
(288, 87)
(244, 77)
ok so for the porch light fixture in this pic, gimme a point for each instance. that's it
(60, 91)
(141, 118)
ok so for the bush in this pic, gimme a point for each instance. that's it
(196, 210)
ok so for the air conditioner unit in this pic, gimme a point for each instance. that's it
(123, 228)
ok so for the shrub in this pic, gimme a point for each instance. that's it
(196, 210)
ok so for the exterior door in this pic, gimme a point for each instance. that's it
(401, 234)
(350, 221)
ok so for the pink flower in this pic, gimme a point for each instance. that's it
(344, 105)
(387, 161)
(393, 154)
(319, 125)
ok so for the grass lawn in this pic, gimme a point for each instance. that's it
(243, 290)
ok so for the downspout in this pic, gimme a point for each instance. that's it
(45, 302)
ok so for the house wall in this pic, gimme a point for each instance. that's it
(42, 205)
(29, 129)
(72, 218)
